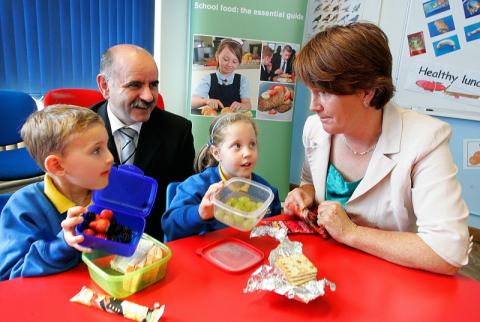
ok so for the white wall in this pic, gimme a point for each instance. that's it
(172, 57)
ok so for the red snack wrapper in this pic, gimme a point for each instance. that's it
(310, 217)
(124, 308)
(292, 226)
(311, 220)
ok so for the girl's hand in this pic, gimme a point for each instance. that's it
(236, 106)
(74, 217)
(205, 210)
(297, 202)
(333, 217)
(214, 103)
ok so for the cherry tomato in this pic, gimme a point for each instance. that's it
(102, 226)
(89, 231)
(93, 225)
(106, 214)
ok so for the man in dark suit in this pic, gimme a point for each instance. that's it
(282, 63)
(128, 80)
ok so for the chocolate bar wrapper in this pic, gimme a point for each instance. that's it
(124, 308)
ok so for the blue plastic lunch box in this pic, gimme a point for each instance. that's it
(130, 195)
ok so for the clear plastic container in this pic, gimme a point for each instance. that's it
(121, 285)
(231, 254)
(242, 203)
(130, 195)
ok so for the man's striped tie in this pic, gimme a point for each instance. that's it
(128, 146)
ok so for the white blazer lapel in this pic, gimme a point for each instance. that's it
(389, 143)
(318, 157)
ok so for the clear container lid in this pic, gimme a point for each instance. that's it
(231, 254)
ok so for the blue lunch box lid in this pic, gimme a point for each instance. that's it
(130, 195)
(128, 191)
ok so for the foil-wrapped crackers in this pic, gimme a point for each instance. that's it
(290, 273)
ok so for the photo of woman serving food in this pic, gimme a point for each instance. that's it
(224, 90)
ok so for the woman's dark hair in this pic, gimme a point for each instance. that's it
(344, 59)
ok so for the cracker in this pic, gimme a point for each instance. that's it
(296, 268)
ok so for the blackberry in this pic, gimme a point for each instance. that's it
(119, 233)
(126, 235)
(88, 217)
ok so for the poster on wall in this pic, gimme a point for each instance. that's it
(248, 75)
(323, 14)
(438, 72)
(240, 58)
(471, 154)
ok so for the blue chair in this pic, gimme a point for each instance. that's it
(171, 191)
(3, 200)
(17, 163)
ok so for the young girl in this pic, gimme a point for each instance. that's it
(224, 88)
(230, 152)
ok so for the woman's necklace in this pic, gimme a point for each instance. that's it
(370, 149)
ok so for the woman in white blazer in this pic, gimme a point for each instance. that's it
(383, 178)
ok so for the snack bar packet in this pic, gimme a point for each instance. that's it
(310, 218)
(271, 278)
(124, 308)
(292, 226)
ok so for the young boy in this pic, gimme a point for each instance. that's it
(70, 144)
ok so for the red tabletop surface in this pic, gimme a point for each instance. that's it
(368, 289)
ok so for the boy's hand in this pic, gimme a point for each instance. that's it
(74, 217)
(205, 210)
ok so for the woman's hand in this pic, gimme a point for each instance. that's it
(74, 217)
(214, 103)
(298, 201)
(335, 220)
(205, 210)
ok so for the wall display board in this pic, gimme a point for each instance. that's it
(255, 26)
(439, 68)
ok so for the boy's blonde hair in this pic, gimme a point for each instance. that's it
(49, 130)
(218, 126)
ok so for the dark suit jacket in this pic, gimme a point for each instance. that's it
(165, 152)
(277, 60)
(265, 75)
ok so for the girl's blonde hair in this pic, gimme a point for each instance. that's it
(50, 130)
(219, 125)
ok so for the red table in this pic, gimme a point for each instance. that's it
(368, 289)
